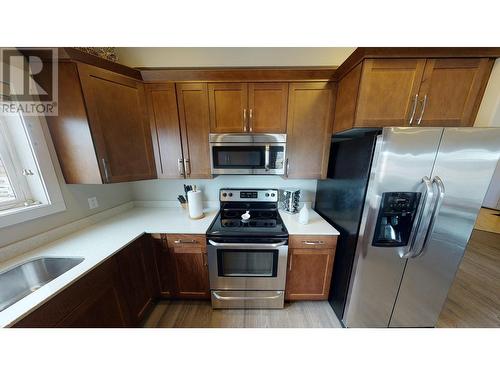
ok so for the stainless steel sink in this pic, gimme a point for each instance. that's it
(16, 283)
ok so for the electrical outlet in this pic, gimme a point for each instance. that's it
(93, 203)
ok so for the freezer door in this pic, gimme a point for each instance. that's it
(403, 156)
(465, 164)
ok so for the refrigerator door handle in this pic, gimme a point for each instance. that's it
(439, 201)
(423, 217)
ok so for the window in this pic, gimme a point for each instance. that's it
(28, 185)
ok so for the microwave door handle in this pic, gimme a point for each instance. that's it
(423, 214)
(439, 201)
(247, 245)
(267, 157)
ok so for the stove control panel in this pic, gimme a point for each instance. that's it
(248, 195)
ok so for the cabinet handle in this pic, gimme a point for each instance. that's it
(290, 265)
(245, 120)
(185, 241)
(313, 242)
(187, 167)
(180, 166)
(105, 167)
(205, 260)
(250, 121)
(423, 109)
(415, 100)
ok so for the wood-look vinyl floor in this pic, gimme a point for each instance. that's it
(474, 297)
(199, 314)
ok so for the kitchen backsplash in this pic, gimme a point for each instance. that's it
(154, 190)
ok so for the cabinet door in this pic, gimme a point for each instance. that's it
(309, 274)
(164, 121)
(137, 286)
(101, 310)
(165, 267)
(452, 90)
(191, 266)
(388, 91)
(228, 107)
(309, 129)
(118, 117)
(193, 116)
(267, 103)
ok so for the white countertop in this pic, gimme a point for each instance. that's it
(99, 241)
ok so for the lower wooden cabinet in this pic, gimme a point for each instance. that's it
(310, 265)
(96, 300)
(117, 293)
(189, 257)
(135, 262)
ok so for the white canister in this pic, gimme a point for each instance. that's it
(195, 204)
(304, 215)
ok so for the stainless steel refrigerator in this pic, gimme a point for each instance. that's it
(405, 202)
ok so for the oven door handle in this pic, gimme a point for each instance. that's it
(218, 296)
(247, 245)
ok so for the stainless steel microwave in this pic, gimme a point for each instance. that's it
(245, 153)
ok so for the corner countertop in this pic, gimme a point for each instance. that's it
(100, 241)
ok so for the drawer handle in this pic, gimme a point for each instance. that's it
(313, 242)
(185, 241)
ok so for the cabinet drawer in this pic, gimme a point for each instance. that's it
(312, 242)
(186, 240)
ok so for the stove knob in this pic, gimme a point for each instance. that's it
(267, 194)
(272, 194)
(230, 194)
(224, 194)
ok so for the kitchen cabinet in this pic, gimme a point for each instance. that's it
(192, 100)
(310, 265)
(101, 133)
(135, 263)
(411, 92)
(165, 129)
(189, 255)
(309, 128)
(451, 91)
(248, 107)
(96, 300)
(118, 117)
(117, 293)
(164, 267)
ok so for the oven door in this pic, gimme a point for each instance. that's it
(235, 265)
(247, 158)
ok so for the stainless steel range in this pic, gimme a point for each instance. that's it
(247, 250)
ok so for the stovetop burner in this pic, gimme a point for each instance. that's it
(264, 218)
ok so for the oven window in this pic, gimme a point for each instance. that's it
(243, 263)
(238, 157)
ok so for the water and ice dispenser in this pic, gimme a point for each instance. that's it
(395, 219)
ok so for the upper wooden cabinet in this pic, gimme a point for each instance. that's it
(248, 107)
(310, 112)
(118, 117)
(101, 134)
(387, 91)
(451, 91)
(192, 99)
(165, 130)
(411, 92)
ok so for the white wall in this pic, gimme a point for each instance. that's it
(232, 56)
(170, 189)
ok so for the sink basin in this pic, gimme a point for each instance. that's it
(16, 283)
